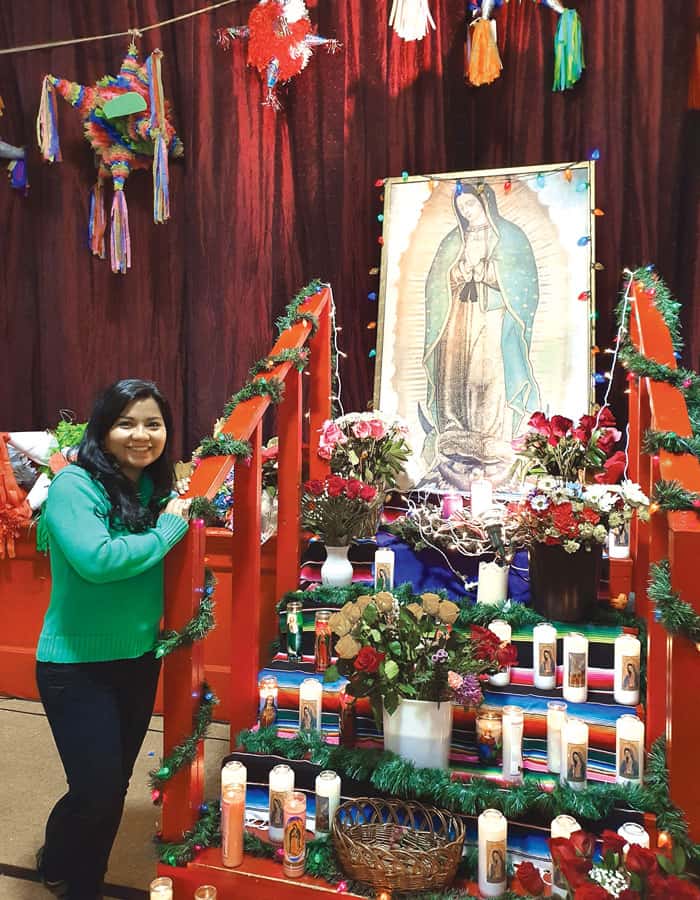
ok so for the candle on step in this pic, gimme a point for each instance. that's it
(512, 723)
(544, 656)
(205, 892)
(629, 755)
(633, 834)
(561, 827)
(161, 889)
(481, 493)
(327, 800)
(493, 583)
(493, 832)
(619, 544)
(310, 704)
(556, 717)
(383, 569)
(294, 834)
(574, 754)
(281, 784)
(451, 503)
(233, 772)
(575, 686)
(322, 640)
(267, 702)
(232, 821)
(628, 651)
(503, 631)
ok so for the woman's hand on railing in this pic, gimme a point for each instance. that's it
(178, 507)
(182, 485)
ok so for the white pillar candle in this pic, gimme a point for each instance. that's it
(544, 656)
(513, 723)
(575, 687)
(281, 784)
(493, 583)
(629, 754)
(233, 772)
(633, 834)
(451, 503)
(619, 544)
(327, 800)
(383, 569)
(503, 631)
(556, 717)
(493, 833)
(481, 496)
(574, 757)
(161, 889)
(310, 704)
(561, 827)
(628, 651)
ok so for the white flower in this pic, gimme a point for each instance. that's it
(614, 882)
(539, 502)
(600, 533)
(548, 483)
(634, 494)
(604, 496)
(571, 546)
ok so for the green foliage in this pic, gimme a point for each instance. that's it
(671, 495)
(339, 510)
(199, 625)
(224, 445)
(289, 317)
(69, 434)
(298, 356)
(262, 387)
(205, 509)
(677, 616)
(671, 442)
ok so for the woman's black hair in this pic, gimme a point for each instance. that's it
(92, 456)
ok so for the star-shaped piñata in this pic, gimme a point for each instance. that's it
(280, 42)
(127, 123)
(16, 167)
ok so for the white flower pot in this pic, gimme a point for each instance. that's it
(420, 731)
(336, 571)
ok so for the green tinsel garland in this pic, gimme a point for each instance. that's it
(336, 597)
(671, 442)
(296, 355)
(224, 445)
(672, 497)
(203, 508)
(308, 319)
(186, 751)
(677, 616)
(199, 625)
(664, 301)
(286, 320)
(272, 388)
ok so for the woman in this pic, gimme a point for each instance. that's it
(110, 521)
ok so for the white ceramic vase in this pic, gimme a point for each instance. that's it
(420, 731)
(336, 571)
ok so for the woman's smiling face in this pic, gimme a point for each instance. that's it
(137, 437)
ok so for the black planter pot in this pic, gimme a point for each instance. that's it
(564, 586)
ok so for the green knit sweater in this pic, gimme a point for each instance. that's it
(107, 582)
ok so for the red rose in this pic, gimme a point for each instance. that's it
(368, 659)
(576, 873)
(268, 453)
(612, 842)
(583, 843)
(530, 878)
(586, 424)
(335, 485)
(589, 890)
(314, 487)
(581, 435)
(590, 515)
(560, 425)
(675, 887)
(641, 861)
(629, 894)
(506, 655)
(353, 488)
(368, 493)
(563, 519)
(540, 423)
(607, 439)
(605, 418)
(614, 469)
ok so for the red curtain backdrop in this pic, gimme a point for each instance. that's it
(264, 202)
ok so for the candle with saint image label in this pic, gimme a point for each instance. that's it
(383, 569)
(281, 784)
(327, 800)
(267, 701)
(161, 889)
(232, 821)
(561, 827)
(556, 717)
(575, 687)
(294, 834)
(629, 755)
(310, 705)
(503, 631)
(628, 651)
(633, 834)
(493, 833)
(574, 761)
(513, 722)
(544, 656)
(322, 640)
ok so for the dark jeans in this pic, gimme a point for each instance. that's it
(99, 714)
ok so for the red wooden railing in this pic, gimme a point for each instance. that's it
(184, 574)
(672, 662)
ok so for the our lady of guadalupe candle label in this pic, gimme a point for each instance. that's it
(630, 673)
(547, 665)
(382, 576)
(628, 754)
(309, 711)
(323, 809)
(576, 756)
(577, 670)
(294, 839)
(495, 862)
(277, 808)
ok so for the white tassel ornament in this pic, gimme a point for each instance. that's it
(411, 19)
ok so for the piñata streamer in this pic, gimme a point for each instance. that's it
(120, 240)
(484, 61)
(47, 123)
(411, 19)
(568, 51)
(98, 220)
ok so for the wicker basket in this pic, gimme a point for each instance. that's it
(396, 845)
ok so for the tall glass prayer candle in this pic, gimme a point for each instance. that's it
(489, 735)
(383, 569)
(232, 822)
(294, 834)
(348, 718)
(633, 834)
(493, 583)
(281, 784)
(310, 705)
(161, 889)
(561, 827)
(575, 686)
(233, 772)
(619, 544)
(556, 717)
(629, 755)
(493, 834)
(451, 503)
(205, 892)
(481, 494)
(503, 631)
(544, 656)
(327, 800)
(574, 754)
(267, 701)
(513, 722)
(322, 640)
(295, 630)
(628, 650)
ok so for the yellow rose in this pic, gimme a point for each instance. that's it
(339, 624)
(364, 601)
(416, 609)
(431, 603)
(448, 612)
(384, 601)
(347, 647)
(352, 612)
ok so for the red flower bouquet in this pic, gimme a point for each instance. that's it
(339, 509)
